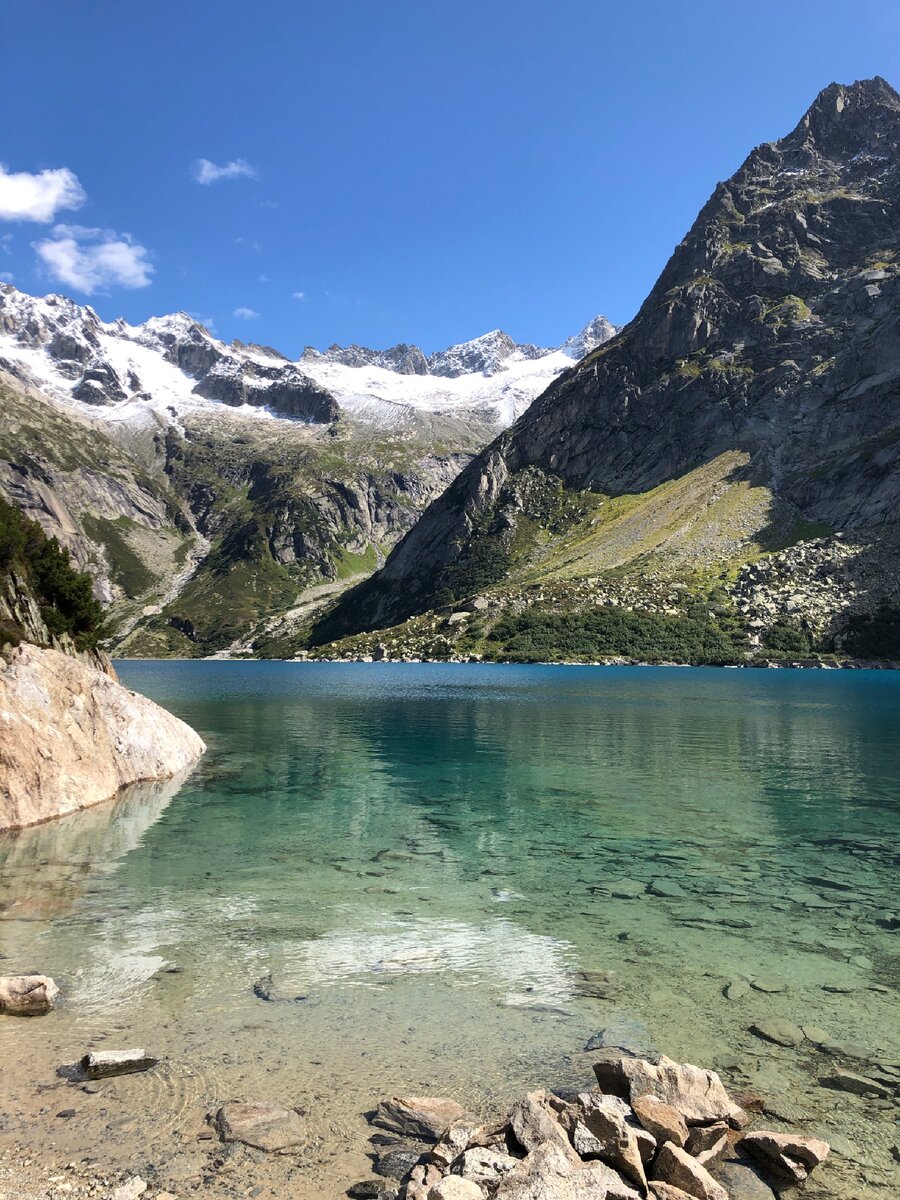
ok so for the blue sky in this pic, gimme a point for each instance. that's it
(405, 171)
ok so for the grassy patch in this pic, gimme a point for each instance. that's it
(126, 568)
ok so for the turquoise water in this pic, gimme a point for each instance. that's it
(433, 857)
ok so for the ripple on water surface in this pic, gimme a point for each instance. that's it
(452, 877)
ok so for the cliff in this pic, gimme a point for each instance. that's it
(70, 735)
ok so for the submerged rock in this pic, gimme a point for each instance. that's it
(782, 1033)
(742, 1180)
(27, 995)
(261, 1125)
(101, 1063)
(418, 1116)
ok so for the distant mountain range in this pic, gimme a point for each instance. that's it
(218, 493)
(173, 364)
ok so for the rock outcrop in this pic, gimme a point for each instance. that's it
(71, 736)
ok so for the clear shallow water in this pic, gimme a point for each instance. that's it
(430, 855)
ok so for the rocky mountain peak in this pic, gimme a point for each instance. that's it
(594, 334)
(844, 115)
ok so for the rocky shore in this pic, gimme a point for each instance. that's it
(71, 736)
(648, 1131)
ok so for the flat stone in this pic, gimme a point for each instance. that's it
(627, 889)
(782, 1033)
(790, 1155)
(860, 960)
(667, 888)
(418, 1116)
(261, 1125)
(736, 990)
(675, 1166)
(27, 995)
(860, 1085)
(814, 1034)
(662, 1120)
(101, 1063)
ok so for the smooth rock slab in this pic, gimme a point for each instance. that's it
(27, 995)
(860, 1085)
(534, 1122)
(782, 1033)
(101, 1063)
(418, 1116)
(261, 1125)
(678, 1168)
(791, 1155)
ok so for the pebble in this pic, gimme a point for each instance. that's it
(737, 989)
(666, 888)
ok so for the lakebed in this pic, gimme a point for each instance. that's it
(450, 879)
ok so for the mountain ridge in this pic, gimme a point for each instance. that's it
(771, 334)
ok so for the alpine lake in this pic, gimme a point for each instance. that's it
(450, 880)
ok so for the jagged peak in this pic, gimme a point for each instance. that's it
(848, 116)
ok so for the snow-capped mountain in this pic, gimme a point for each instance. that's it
(173, 364)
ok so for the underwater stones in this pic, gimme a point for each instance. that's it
(675, 1166)
(768, 985)
(102, 1063)
(261, 1125)
(666, 888)
(782, 1033)
(27, 995)
(627, 889)
(860, 1085)
(790, 1155)
(662, 1120)
(631, 1036)
(736, 990)
(418, 1116)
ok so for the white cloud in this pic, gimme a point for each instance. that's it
(91, 260)
(298, 295)
(6, 243)
(6, 276)
(265, 279)
(207, 172)
(245, 314)
(39, 197)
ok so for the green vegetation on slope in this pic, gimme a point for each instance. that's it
(63, 594)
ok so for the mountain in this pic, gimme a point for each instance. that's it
(731, 456)
(219, 494)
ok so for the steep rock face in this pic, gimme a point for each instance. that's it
(774, 331)
(71, 737)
